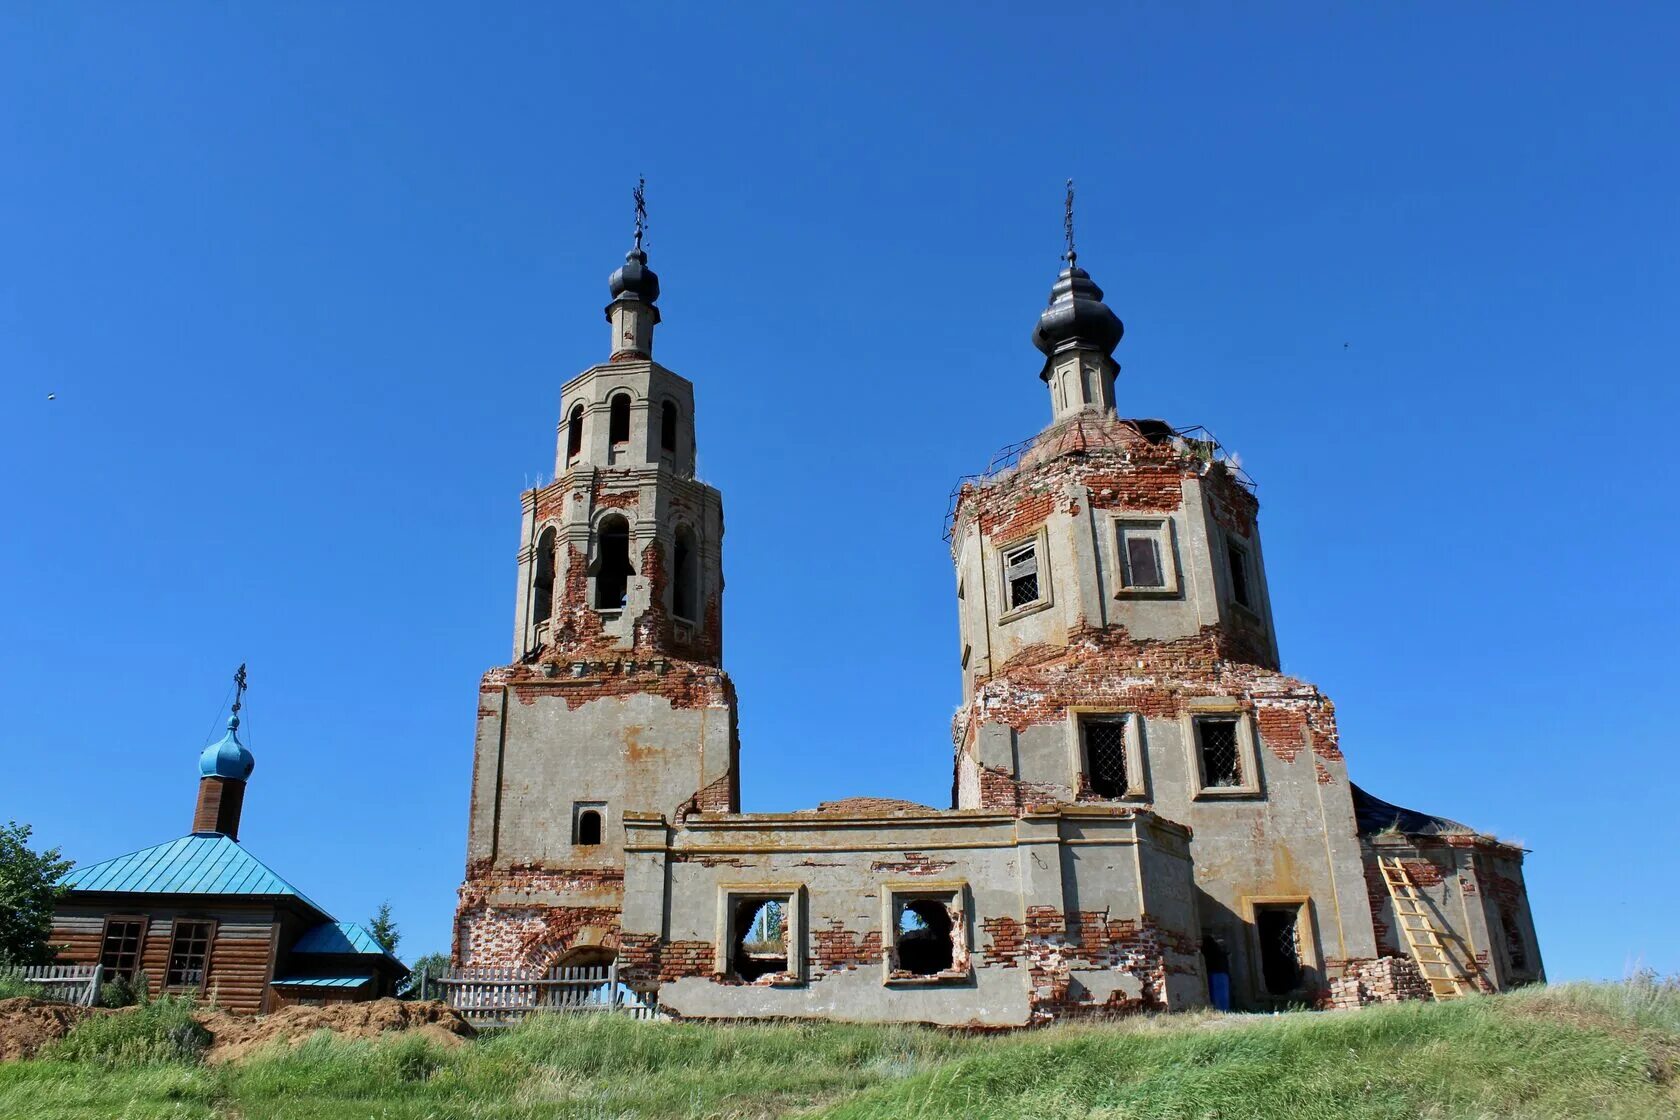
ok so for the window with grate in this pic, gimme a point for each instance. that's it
(120, 951)
(1105, 755)
(1280, 948)
(189, 952)
(1238, 557)
(1020, 574)
(1140, 557)
(1216, 741)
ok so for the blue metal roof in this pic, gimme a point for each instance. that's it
(321, 981)
(203, 863)
(339, 937)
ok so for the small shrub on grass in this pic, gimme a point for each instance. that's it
(123, 991)
(163, 1030)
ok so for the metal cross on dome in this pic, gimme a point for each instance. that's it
(1067, 226)
(238, 689)
(640, 195)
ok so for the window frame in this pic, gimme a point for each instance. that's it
(792, 897)
(695, 579)
(1223, 707)
(1237, 546)
(954, 894)
(579, 808)
(597, 556)
(1306, 940)
(1137, 769)
(145, 924)
(1166, 550)
(1039, 542)
(175, 925)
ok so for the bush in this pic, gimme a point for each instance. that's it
(163, 1030)
(122, 991)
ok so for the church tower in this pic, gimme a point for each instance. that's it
(616, 703)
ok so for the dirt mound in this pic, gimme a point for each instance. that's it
(27, 1024)
(238, 1036)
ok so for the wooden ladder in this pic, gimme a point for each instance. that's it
(1438, 966)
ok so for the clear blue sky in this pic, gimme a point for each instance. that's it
(306, 280)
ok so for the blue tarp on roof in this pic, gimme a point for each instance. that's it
(203, 863)
(339, 937)
(321, 981)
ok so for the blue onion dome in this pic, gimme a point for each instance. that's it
(1077, 317)
(634, 279)
(227, 758)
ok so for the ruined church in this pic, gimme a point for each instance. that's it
(1146, 812)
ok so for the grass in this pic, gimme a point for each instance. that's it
(1603, 1050)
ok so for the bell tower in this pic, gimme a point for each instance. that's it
(616, 703)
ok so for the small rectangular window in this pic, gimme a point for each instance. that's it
(1143, 561)
(1238, 557)
(1280, 948)
(1217, 744)
(120, 951)
(189, 953)
(1105, 754)
(1020, 574)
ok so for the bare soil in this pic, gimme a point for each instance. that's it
(27, 1024)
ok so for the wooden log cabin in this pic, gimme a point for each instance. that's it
(200, 915)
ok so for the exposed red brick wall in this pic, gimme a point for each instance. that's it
(837, 948)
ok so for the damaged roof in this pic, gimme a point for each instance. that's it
(1375, 815)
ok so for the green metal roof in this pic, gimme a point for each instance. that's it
(203, 863)
(321, 981)
(339, 937)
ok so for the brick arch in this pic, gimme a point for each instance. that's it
(570, 932)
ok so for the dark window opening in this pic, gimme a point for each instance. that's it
(189, 951)
(120, 951)
(1105, 755)
(542, 584)
(574, 433)
(618, 423)
(589, 827)
(1143, 560)
(1216, 739)
(760, 943)
(923, 942)
(1515, 947)
(1020, 575)
(684, 590)
(668, 427)
(1280, 948)
(1239, 576)
(612, 563)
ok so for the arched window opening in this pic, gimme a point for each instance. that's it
(618, 425)
(589, 827)
(612, 563)
(685, 576)
(760, 945)
(924, 937)
(542, 584)
(574, 433)
(668, 427)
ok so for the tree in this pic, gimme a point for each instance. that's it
(384, 930)
(28, 889)
(431, 966)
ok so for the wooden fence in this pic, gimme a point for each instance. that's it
(502, 996)
(69, 983)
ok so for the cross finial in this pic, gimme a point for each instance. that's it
(1067, 226)
(640, 195)
(238, 690)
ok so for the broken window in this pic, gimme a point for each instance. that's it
(922, 942)
(1280, 948)
(119, 952)
(1020, 575)
(759, 946)
(1105, 754)
(189, 952)
(685, 587)
(1143, 555)
(574, 433)
(612, 563)
(542, 584)
(668, 428)
(618, 423)
(1238, 557)
(1516, 949)
(1217, 743)
(588, 827)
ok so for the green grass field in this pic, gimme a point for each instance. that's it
(1601, 1050)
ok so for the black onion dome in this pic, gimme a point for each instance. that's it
(634, 279)
(1077, 316)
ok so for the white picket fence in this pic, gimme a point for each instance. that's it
(68, 983)
(502, 996)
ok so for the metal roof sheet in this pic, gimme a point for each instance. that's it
(321, 981)
(339, 937)
(203, 863)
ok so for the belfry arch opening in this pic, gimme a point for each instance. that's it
(668, 427)
(542, 582)
(574, 433)
(685, 576)
(618, 422)
(612, 563)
